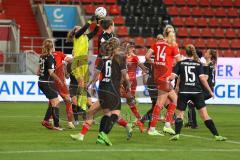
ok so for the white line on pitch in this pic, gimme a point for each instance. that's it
(119, 150)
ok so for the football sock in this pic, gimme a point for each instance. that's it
(48, 113)
(135, 111)
(55, 113)
(147, 116)
(210, 125)
(75, 112)
(170, 112)
(192, 119)
(69, 111)
(103, 123)
(122, 122)
(85, 128)
(156, 111)
(178, 125)
(110, 123)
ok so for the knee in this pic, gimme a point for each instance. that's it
(114, 118)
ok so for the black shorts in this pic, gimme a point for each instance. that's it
(48, 89)
(152, 89)
(109, 98)
(206, 95)
(197, 99)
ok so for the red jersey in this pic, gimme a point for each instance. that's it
(132, 64)
(59, 58)
(164, 57)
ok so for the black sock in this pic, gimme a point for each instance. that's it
(48, 113)
(55, 113)
(191, 113)
(147, 116)
(210, 125)
(110, 123)
(75, 112)
(178, 125)
(103, 123)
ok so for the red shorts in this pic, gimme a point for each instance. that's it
(160, 78)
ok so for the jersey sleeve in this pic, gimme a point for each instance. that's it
(201, 71)
(63, 55)
(50, 63)
(176, 51)
(176, 69)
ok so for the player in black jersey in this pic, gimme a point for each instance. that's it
(46, 84)
(191, 77)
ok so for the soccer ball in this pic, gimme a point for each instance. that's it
(101, 12)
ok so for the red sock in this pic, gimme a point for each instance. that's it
(69, 111)
(85, 128)
(170, 111)
(135, 111)
(156, 111)
(122, 122)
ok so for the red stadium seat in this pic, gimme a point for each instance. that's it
(139, 41)
(98, 1)
(200, 43)
(228, 53)
(86, 1)
(111, 1)
(225, 22)
(206, 33)
(1, 58)
(178, 21)
(220, 12)
(231, 33)
(173, 11)
(204, 3)
(114, 10)
(211, 43)
(122, 31)
(190, 22)
(64, 1)
(218, 33)
(169, 2)
(216, 3)
(235, 44)
(223, 43)
(236, 23)
(232, 12)
(89, 8)
(187, 41)
(213, 22)
(237, 3)
(51, 1)
(150, 41)
(185, 11)
(118, 20)
(196, 11)
(227, 3)
(201, 22)
(194, 32)
(182, 32)
(141, 51)
(180, 2)
(3, 16)
(209, 12)
(183, 52)
(192, 3)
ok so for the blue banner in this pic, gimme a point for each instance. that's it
(61, 17)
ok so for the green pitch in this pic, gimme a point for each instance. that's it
(22, 137)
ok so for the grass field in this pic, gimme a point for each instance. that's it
(22, 137)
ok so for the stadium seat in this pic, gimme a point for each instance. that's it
(220, 12)
(161, 10)
(3, 16)
(206, 33)
(200, 43)
(149, 41)
(142, 21)
(225, 23)
(183, 52)
(173, 11)
(182, 32)
(89, 9)
(201, 22)
(86, 1)
(154, 21)
(98, 1)
(114, 10)
(223, 43)
(169, 2)
(122, 31)
(147, 31)
(180, 2)
(218, 33)
(139, 41)
(208, 12)
(194, 32)
(190, 22)
(158, 30)
(228, 53)
(237, 3)
(213, 22)
(178, 21)
(211, 43)
(231, 33)
(135, 2)
(236, 23)
(126, 10)
(196, 11)
(110, 1)
(51, 1)
(227, 3)
(149, 10)
(235, 43)
(138, 10)
(134, 31)
(130, 20)
(232, 12)
(187, 41)
(156, 2)
(118, 20)
(204, 3)
(192, 3)
(216, 3)
(141, 51)
(185, 11)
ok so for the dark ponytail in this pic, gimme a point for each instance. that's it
(191, 52)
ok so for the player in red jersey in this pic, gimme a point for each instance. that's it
(165, 51)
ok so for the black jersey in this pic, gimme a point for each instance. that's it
(111, 69)
(189, 72)
(104, 37)
(210, 72)
(46, 63)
